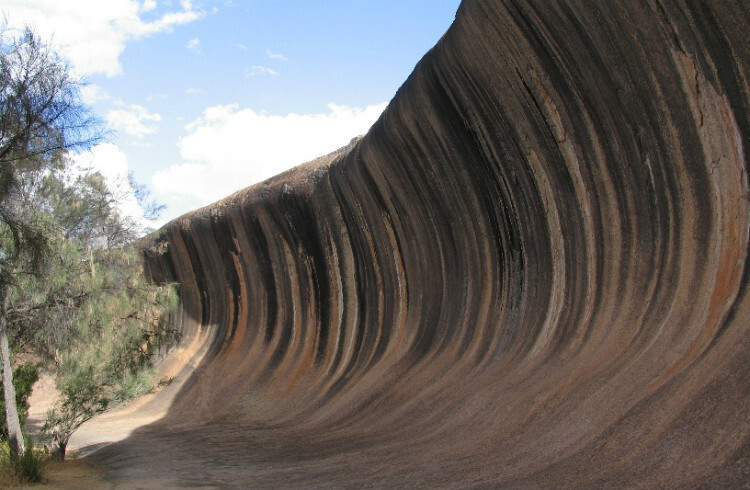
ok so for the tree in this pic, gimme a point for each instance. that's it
(93, 318)
(41, 118)
(71, 289)
(104, 338)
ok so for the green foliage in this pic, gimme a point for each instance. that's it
(41, 118)
(71, 291)
(103, 343)
(32, 465)
(85, 209)
(41, 112)
(93, 318)
(29, 468)
(89, 274)
(24, 377)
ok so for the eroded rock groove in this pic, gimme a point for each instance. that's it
(531, 273)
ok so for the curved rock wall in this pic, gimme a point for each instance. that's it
(531, 272)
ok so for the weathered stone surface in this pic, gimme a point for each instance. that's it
(531, 273)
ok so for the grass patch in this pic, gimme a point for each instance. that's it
(29, 468)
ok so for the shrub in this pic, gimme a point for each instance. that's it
(29, 468)
(32, 465)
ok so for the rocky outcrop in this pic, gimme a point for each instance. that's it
(531, 273)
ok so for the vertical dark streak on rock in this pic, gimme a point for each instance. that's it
(225, 241)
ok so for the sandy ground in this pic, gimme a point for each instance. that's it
(73, 474)
(80, 472)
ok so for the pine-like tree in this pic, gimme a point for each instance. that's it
(72, 289)
(92, 318)
(41, 117)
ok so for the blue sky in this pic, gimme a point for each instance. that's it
(205, 97)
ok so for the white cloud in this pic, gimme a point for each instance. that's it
(112, 163)
(193, 91)
(133, 121)
(73, 25)
(276, 56)
(260, 70)
(229, 148)
(148, 5)
(92, 94)
(194, 44)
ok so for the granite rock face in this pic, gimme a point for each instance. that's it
(531, 273)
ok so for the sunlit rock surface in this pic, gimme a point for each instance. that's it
(531, 273)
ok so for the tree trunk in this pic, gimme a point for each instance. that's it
(58, 449)
(15, 436)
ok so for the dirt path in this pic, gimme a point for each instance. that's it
(73, 474)
(80, 472)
